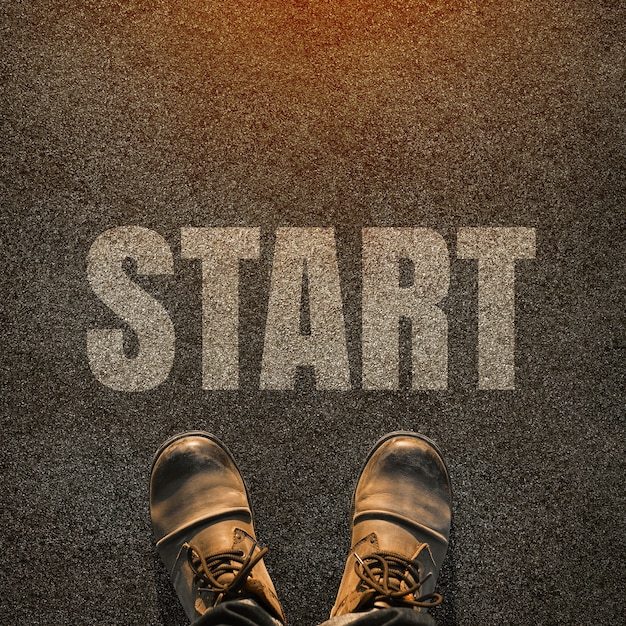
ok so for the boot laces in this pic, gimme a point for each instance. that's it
(395, 579)
(223, 573)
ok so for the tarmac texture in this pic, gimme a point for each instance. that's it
(428, 114)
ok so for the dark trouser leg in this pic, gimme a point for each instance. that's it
(237, 613)
(249, 613)
(394, 616)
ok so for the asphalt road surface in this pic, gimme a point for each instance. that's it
(419, 114)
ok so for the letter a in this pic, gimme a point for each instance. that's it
(286, 346)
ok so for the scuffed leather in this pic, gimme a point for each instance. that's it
(402, 500)
(197, 496)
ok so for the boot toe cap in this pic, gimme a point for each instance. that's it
(194, 478)
(406, 479)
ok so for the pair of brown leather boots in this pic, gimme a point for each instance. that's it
(202, 520)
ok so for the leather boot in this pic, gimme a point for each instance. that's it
(401, 513)
(203, 526)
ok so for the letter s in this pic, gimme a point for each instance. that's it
(145, 315)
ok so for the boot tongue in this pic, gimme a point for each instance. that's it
(225, 578)
(224, 541)
(217, 543)
(399, 574)
(385, 537)
(222, 537)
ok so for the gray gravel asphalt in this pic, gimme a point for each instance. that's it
(365, 113)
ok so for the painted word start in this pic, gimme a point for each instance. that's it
(305, 258)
